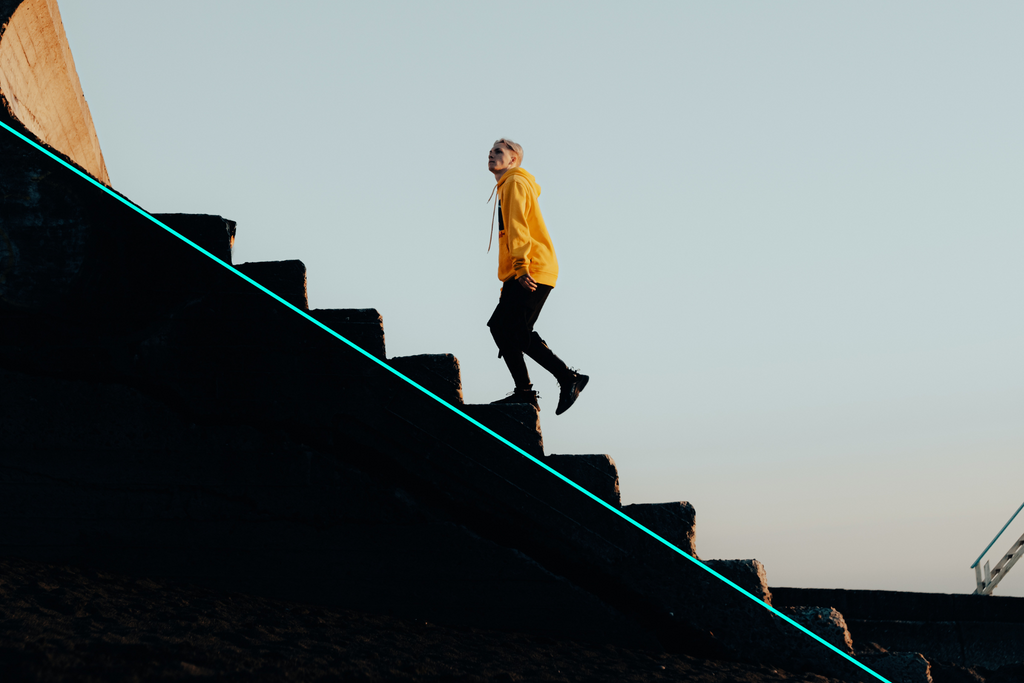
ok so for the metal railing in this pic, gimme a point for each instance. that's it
(988, 579)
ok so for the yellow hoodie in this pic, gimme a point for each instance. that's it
(524, 246)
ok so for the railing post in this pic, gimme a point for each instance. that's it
(985, 584)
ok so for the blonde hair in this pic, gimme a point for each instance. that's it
(514, 147)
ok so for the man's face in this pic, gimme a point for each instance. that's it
(500, 158)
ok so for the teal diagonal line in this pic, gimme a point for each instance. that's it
(444, 403)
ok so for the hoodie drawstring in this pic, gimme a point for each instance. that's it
(493, 214)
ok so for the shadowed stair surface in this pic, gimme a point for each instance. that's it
(135, 629)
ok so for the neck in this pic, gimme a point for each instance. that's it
(498, 175)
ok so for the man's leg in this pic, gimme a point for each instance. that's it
(510, 328)
(514, 361)
(541, 354)
(570, 382)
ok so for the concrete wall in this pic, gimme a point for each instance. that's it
(967, 630)
(39, 85)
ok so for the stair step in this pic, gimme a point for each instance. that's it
(519, 423)
(675, 522)
(436, 372)
(747, 574)
(364, 327)
(148, 272)
(596, 473)
(827, 623)
(287, 279)
(215, 234)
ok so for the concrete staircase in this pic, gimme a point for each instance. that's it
(153, 353)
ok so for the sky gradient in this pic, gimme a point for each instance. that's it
(789, 233)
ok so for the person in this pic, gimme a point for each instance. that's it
(528, 269)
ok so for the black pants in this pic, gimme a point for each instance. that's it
(512, 328)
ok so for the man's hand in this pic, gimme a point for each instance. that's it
(528, 283)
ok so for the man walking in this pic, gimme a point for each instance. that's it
(528, 270)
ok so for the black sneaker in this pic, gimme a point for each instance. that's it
(520, 396)
(569, 390)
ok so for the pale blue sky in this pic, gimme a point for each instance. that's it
(789, 233)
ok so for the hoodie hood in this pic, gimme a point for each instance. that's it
(520, 173)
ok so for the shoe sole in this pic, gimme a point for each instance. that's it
(514, 403)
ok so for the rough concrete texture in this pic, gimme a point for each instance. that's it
(750, 575)
(39, 84)
(44, 229)
(907, 606)
(438, 373)
(595, 473)
(963, 630)
(60, 623)
(901, 667)
(675, 522)
(825, 622)
(114, 478)
(965, 643)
